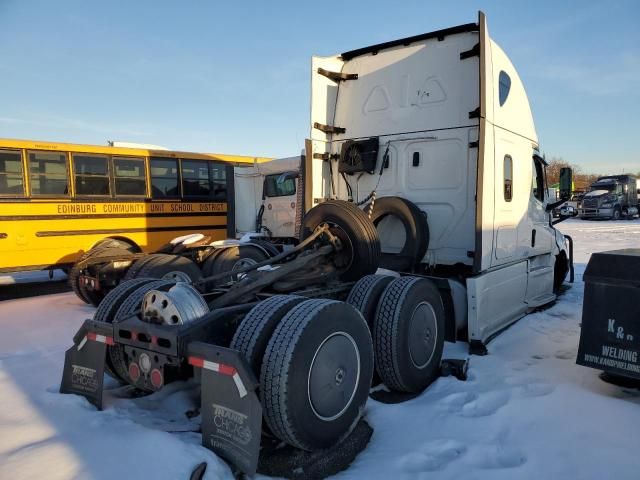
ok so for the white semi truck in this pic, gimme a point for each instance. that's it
(447, 114)
(423, 159)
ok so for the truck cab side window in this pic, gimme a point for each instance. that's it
(275, 185)
(504, 85)
(538, 180)
(508, 178)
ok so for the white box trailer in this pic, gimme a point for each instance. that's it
(447, 114)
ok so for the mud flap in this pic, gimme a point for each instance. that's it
(230, 407)
(83, 372)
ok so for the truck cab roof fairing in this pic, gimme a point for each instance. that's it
(439, 34)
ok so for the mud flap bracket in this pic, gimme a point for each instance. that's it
(230, 407)
(83, 372)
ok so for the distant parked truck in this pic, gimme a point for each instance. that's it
(613, 196)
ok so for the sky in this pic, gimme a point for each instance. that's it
(233, 77)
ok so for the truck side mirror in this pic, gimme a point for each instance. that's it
(566, 183)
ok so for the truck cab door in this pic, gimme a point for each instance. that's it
(541, 258)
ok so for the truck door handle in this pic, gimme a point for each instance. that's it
(533, 238)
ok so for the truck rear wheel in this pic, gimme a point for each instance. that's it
(365, 294)
(169, 267)
(316, 374)
(94, 297)
(231, 259)
(74, 272)
(108, 308)
(360, 254)
(255, 330)
(408, 334)
(130, 304)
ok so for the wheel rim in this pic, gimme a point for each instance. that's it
(182, 304)
(242, 263)
(177, 276)
(423, 332)
(333, 376)
(343, 259)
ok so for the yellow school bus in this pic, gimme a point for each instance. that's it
(57, 200)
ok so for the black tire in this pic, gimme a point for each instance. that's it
(171, 267)
(267, 246)
(320, 345)
(361, 245)
(207, 264)
(109, 306)
(560, 270)
(365, 294)
(617, 213)
(131, 305)
(74, 272)
(232, 258)
(74, 278)
(132, 272)
(94, 297)
(408, 351)
(416, 231)
(255, 330)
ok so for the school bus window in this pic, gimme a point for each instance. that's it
(91, 174)
(195, 178)
(11, 180)
(48, 173)
(164, 178)
(129, 177)
(218, 175)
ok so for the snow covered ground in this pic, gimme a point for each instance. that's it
(526, 412)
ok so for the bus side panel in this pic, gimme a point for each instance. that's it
(42, 235)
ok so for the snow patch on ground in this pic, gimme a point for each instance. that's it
(527, 411)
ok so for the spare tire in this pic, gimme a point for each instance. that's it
(361, 245)
(416, 231)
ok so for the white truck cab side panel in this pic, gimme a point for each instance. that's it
(496, 299)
